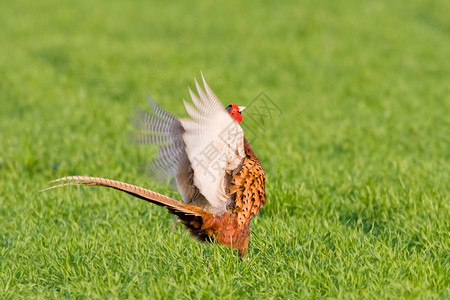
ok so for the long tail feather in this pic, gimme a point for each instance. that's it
(183, 210)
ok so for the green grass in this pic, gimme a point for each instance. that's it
(357, 164)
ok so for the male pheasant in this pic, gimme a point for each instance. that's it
(220, 179)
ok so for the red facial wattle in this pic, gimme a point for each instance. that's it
(234, 112)
(237, 116)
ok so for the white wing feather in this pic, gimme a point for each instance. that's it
(214, 145)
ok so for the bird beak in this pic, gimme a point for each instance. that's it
(241, 108)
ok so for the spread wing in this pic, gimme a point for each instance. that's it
(214, 145)
(166, 131)
(199, 151)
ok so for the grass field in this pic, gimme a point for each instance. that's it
(357, 161)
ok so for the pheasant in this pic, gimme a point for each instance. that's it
(219, 177)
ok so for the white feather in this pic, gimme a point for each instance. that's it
(214, 145)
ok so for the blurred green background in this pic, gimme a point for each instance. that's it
(357, 163)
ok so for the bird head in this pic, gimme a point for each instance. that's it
(235, 112)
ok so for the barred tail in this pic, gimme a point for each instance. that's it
(192, 216)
